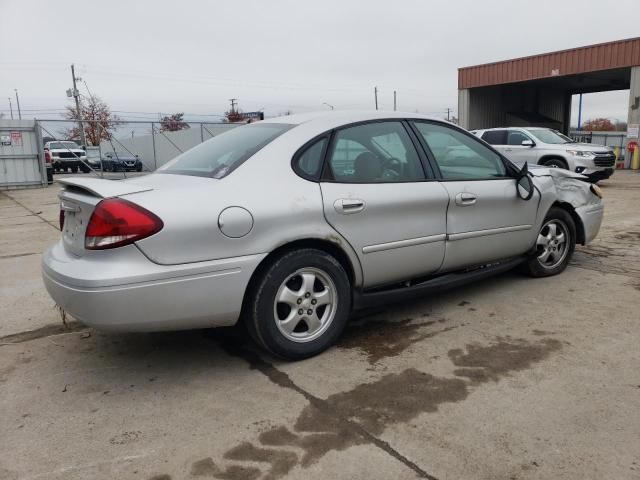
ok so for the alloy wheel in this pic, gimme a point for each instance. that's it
(305, 305)
(552, 243)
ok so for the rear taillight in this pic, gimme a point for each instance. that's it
(116, 222)
(47, 156)
(61, 219)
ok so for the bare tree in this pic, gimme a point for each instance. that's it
(99, 123)
(173, 123)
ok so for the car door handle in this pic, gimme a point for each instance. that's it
(464, 199)
(348, 205)
(508, 149)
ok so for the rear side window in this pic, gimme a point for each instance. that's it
(377, 152)
(219, 156)
(309, 162)
(495, 137)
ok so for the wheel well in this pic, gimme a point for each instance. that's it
(324, 245)
(545, 159)
(580, 237)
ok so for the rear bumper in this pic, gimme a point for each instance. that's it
(127, 292)
(591, 217)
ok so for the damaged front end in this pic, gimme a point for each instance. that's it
(573, 190)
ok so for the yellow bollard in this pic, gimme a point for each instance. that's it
(635, 160)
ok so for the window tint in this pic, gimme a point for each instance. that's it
(516, 138)
(220, 155)
(379, 152)
(459, 156)
(495, 137)
(310, 161)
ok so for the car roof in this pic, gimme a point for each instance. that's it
(333, 118)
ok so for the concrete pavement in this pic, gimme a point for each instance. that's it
(510, 378)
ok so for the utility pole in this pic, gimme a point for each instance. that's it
(76, 96)
(234, 102)
(18, 103)
(10, 107)
(394, 101)
(375, 95)
(448, 111)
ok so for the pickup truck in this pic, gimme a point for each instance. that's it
(67, 155)
(548, 147)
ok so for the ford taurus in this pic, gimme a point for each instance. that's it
(289, 224)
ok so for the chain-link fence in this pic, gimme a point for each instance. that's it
(120, 148)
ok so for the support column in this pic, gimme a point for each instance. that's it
(464, 105)
(633, 120)
(566, 114)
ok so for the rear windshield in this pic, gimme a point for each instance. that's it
(219, 156)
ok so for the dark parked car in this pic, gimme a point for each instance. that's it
(120, 162)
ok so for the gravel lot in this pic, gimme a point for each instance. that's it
(511, 378)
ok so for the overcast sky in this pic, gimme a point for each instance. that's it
(192, 56)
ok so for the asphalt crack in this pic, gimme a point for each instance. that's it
(42, 332)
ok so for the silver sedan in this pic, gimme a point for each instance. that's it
(289, 224)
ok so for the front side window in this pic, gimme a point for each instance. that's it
(220, 155)
(546, 135)
(516, 138)
(460, 156)
(379, 152)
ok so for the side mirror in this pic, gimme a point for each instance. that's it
(524, 184)
(528, 143)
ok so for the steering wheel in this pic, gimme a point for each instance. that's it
(392, 168)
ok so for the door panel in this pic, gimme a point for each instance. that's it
(496, 225)
(486, 220)
(397, 230)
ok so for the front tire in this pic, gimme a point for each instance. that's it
(299, 305)
(555, 244)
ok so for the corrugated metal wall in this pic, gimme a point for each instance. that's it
(21, 163)
(604, 56)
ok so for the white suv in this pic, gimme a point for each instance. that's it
(544, 146)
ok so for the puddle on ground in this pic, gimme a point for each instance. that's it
(635, 236)
(483, 363)
(360, 415)
(380, 339)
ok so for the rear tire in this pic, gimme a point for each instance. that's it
(299, 306)
(556, 163)
(555, 244)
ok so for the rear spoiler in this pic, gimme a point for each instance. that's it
(104, 188)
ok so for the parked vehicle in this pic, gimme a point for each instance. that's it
(67, 156)
(548, 147)
(290, 224)
(48, 162)
(93, 157)
(120, 162)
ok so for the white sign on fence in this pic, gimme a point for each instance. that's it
(633, 130)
